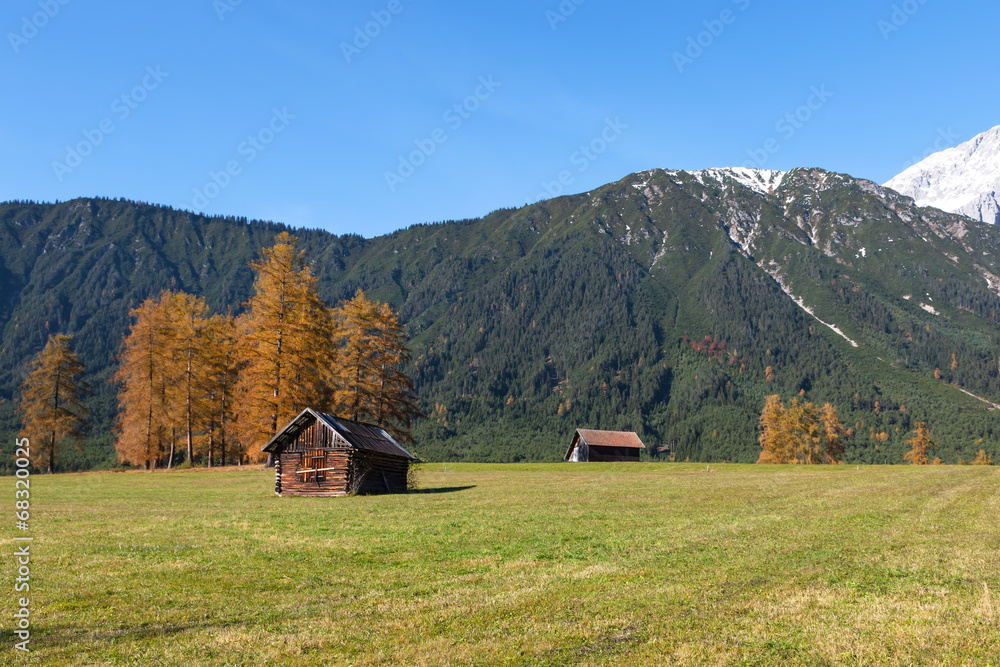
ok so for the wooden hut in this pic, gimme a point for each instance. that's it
(321, 455)
(598, 446)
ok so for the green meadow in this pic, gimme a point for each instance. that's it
(554, 564)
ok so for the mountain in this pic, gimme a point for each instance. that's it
(670, 303)
(964, 179)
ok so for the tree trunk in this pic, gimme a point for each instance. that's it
(190, 443)
(149, 435)
(211, 442)
(52, 454)
(173, 439)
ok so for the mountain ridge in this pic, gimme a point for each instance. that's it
(964, 179)
(584, 310)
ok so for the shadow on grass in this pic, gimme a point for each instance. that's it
(445, 489)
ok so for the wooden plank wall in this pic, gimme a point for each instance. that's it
(611, 454)
(335, 484)
(383, 470)
(314, 436)
(383, 474)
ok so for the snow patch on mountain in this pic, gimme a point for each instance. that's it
(764, 181)
(775, 272)
(964, 179)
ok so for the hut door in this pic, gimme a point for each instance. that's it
(314, 466)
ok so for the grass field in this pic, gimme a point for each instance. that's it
(594, 564)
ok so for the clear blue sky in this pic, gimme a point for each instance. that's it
(554, 85)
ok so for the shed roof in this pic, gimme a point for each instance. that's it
(610, 438)
(359, 434)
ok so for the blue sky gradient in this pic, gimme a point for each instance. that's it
(257, 109)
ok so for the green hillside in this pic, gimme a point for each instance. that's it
(589, 310)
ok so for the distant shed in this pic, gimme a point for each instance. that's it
(600, 446)
(317, 454)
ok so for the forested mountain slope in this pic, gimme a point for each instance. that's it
(588, 310)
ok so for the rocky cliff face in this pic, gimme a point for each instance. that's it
(964, 179)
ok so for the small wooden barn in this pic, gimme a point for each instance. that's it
(599, 446)
(321, 455)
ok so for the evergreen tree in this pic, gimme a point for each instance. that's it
(51, 396)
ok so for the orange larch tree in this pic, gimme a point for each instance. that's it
(219, 380)
(357, 332)
(188, 362)
(982, 459)
(395, 398)
(800, 433)
(51, 401)
(143, 415)
(285, 341)
(833, 433)
(774, 439)
(920, 445)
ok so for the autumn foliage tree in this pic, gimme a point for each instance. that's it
(221, 372)
(143, 410)
(395, 397)
(187, 365)
(982, 459)
(372, 384)
(51, 401)
(357, 325)
(800, 433)
(286, 346)
(920, 445)
(227, 386)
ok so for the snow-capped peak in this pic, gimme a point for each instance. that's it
(764, 181)
(964, 179)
